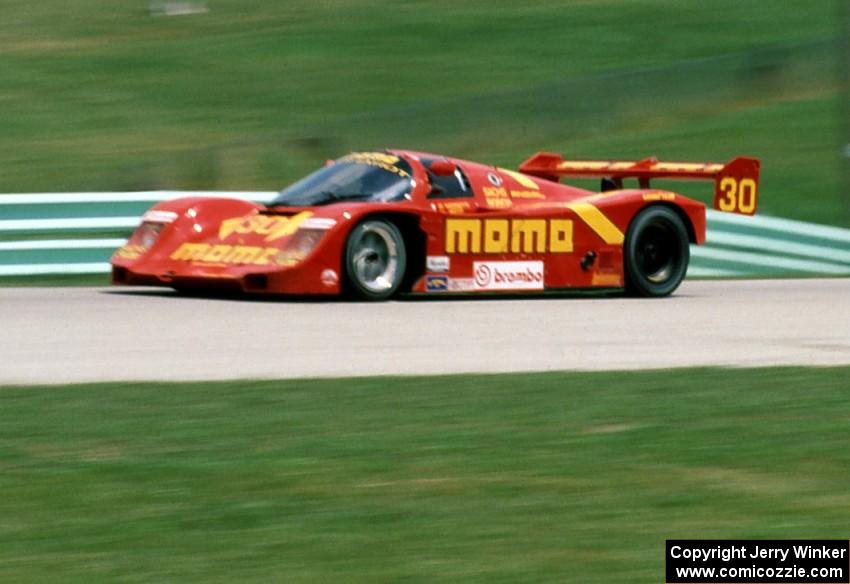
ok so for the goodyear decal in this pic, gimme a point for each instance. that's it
(659, 196)
(509, 236)
(598, 222)
(388, 162)
(224, 254)
(272, 226)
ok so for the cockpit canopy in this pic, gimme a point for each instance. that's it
(360, 176)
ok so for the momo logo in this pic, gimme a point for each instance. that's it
(272, 226)
(509, 235)
(508, 275)
(224, 254)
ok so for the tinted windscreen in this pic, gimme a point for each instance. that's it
(367, 176)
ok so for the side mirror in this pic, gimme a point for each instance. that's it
(442, 168)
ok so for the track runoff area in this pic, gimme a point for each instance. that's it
(65, 335)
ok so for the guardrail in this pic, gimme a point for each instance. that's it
(76, 233)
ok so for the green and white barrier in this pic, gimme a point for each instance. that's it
(740, 246)
(76, 233)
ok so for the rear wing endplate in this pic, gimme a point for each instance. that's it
(735, 183)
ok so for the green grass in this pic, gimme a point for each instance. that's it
(252, 94)
(518, 478)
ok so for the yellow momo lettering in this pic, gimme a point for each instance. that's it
(463, 235)
(509, 235)
(224, 254)
(496, 236)
(272, 226)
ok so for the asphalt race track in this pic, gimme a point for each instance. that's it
(57, 335)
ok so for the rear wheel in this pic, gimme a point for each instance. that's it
(375, 260)
(656, 252)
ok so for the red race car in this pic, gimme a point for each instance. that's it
(375, 224)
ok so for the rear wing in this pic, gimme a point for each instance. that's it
(735, 183)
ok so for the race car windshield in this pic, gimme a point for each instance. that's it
(375, 177)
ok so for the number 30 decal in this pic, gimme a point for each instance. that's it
(738, 196)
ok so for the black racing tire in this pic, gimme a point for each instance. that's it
(375, 260)
(656, 252)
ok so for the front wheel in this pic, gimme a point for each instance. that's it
(656, 252)
(375, 259)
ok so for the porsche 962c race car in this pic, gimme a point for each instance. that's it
(376, 224)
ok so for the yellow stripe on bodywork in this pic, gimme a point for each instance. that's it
(596, 220)
(522, 179)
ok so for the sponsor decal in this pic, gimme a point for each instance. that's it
(499, 203)
(527, 195)
(436, 283)
(509, 236)
(660, 196)
(317, 223)
(494, 179)
(379, 159)
(224, 254)
(130, 252)
(497, 198)
(613, 280)
(461, 284)
(508, 275)
(495, 192)
(272, 226)
(437, 263)
(156, 216)
(453, 207)
(329, 278)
